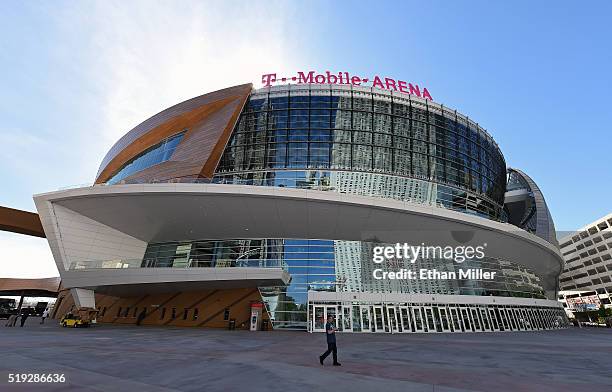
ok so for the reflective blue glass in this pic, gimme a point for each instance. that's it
(363, 133)
(159, 153)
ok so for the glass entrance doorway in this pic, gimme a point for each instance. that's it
(354, 316)
(366, 319)
(394, 319)
(320, 315)
(379, 320)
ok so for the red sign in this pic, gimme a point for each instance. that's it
(344, 78)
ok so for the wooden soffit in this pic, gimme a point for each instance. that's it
(209, 121)
(22, 222)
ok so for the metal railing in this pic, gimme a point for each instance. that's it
(471, 204)
(170, 262)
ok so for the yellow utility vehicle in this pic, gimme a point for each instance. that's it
(81, 318)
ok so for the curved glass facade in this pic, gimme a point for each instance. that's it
(531, 214)
(374, 141)
(336, 266)
(365, 142)
(158, 153)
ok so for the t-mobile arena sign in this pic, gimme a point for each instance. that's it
(345, 78)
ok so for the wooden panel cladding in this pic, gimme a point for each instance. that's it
(22, 222)
(11, 286)
(204, 308)
(209, 119)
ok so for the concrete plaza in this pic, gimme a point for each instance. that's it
(130, 358)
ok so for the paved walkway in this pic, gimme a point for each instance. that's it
(129, 358)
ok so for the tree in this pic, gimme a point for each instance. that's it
(603, 312)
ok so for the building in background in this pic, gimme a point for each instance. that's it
(586, 280)
(277, 196)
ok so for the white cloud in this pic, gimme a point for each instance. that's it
(113, 64)
(150, 56)
(25, 257)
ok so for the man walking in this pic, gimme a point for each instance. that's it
(330, 332)
(24, 317)
(44, 316)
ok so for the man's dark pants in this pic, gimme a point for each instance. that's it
(331, 348)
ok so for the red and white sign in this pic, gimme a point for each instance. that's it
(583, 304)
(344, 78)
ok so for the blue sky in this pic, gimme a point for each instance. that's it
(75, 76)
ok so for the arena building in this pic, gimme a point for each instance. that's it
(261, 207)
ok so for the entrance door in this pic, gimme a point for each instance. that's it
(512, 319)
(318, 318)
(484, 315)
(455, 320)
(395, 325)
(379, 320)
(465, 317)
(445, 320)
(475, 319)
(532, 324)
(320, 315)
(347, 319)
(356, 318)
(331, 311)
(418, 319)
(429, 319)
(366, 319)
(494, 322)
(504, 320)
(406, 319)
(521, 319)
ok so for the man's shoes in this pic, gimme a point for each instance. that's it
(321, 360)
(337, 364)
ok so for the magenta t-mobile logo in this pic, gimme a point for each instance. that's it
(345, 78)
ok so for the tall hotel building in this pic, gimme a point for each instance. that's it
(586, 280)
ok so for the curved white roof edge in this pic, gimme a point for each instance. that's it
(303, 194)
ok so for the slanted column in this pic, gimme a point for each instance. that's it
(20, 301)
(83, 298)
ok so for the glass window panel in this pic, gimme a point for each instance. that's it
(320, 135)
(278, 119)
(382, 123)
(402, 162)
(362, 157)
(362, 121)
(362, 138)
(419, 165)
(381, 139)
(341, 119)
(342, 136)
(320, 101)
(364, 104)
(277, 103)
(341, 156)
(159, 153)
(298, 135)
(382, 159)
(401, 126)
(299, 101)
(298, 119)
(297, 154)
